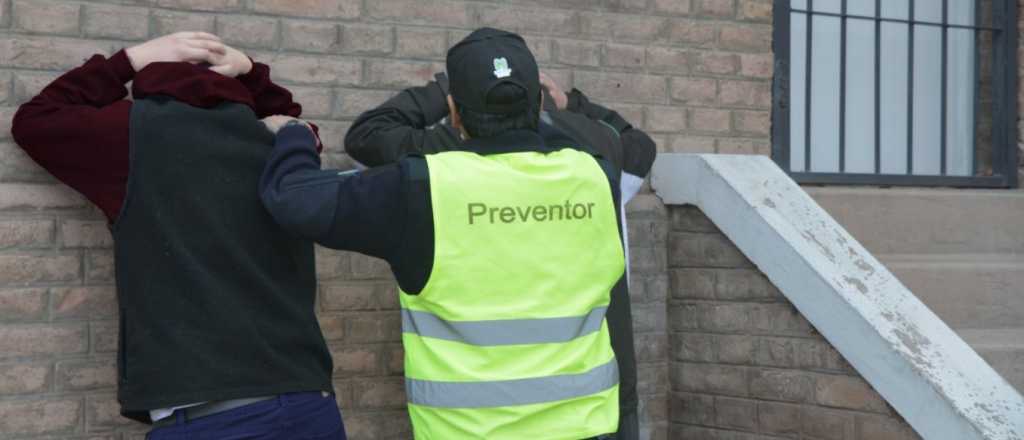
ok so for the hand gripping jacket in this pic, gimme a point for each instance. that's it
(508, 338)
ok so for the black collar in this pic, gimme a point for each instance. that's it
(546, 139)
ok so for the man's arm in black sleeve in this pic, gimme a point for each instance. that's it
(353, 210)
(639, 150)
(406, 123)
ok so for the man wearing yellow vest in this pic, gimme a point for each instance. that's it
(505, 251)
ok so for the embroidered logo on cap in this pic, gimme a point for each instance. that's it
(501, 69)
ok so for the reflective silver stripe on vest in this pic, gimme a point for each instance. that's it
(512, 392)
(505, 331)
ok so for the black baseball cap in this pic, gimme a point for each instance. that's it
(483, 60)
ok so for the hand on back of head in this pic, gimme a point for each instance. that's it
(190, 47)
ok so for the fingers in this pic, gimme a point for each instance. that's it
(210, 45)
(198, 36)
(194, 55)
(223, 69)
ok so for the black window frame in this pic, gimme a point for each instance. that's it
(1004, 112)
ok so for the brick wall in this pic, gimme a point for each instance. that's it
(695, 73)
(745, 364)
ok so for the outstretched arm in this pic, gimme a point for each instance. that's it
(350, 210)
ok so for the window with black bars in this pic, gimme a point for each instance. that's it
(896, 92)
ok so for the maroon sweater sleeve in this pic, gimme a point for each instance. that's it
(77, 128)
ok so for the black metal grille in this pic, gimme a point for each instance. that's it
(995, 65)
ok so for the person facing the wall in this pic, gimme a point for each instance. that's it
(416, 121)
(218, 336)
(506, 250)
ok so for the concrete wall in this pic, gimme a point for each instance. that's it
(744, 363)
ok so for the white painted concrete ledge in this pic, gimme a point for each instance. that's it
(914, 360)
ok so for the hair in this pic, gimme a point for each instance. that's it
(486, 125)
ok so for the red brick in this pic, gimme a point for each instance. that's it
(353, 102)
(99, 266)
(875, 427)
(709, 378)
(430, 12)
(755, 10)
(579, 53)
(782, 385)
(25, 269)
(316, 102)
(663, 59)
(376, 327)
(46, 53)
(753, 122)
(42, 339)
(25, 378)
(756, 65)
(306, 69)
(824, 424)
(103, 336)
(666, 118)
(394, 360)
(387, 393)
(378, 425)
(22, 304)
(736, 413)
(367, 39)
(421, 43)
(332, 326)
(714, 8)
(120, 22)
(26, 233)
(620, 27)
(247, 31)
(755, 94)
(352, 360)
(529, 20)
(331, 264)
(692, 33)
(355, 296)
(745, 38)
(541, 48)
(694, 409)
(37, 417)
(716, 63)
(84, 302)
(167, 22)
(709, 120)
(620, 55)
(849, 393)
(778, 418)
(87, 375)
(695, 90)
(345, 9)
(627, 5)
(43, 16)
(200, 5)
(623, 87)
(85, 233)
(743, 146)
(400, 74)
(310, 36)
(29, 84)
(103, 412)
(674, 7)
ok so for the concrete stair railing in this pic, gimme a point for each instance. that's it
(938, 383)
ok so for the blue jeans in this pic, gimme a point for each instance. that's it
(294, 416)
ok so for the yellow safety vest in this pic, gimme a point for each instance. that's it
(508, 338)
